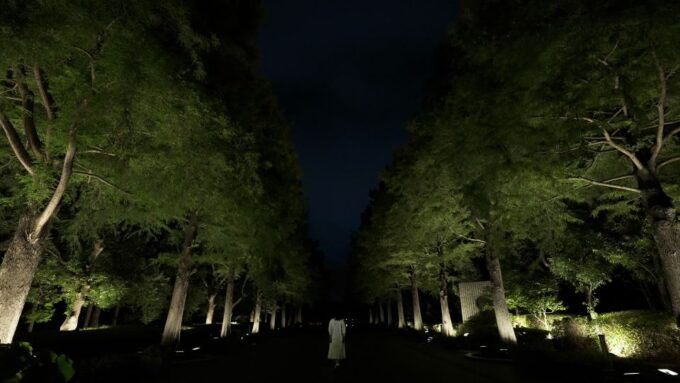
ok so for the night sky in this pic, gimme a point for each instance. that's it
(349, 74)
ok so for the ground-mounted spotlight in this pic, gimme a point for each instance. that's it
(631, 373)
(466, 334)
(195, 349)
(667, 372)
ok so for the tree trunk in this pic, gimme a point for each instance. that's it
(664, 300)
(95, 316)
(23, 253)
(370, 316)
(400, 310)
(71, 321)
(447, 324)
(298, 315)
(662, 216)
(417, 317)
(256, 314)
(88, 315)
(283, 315)
(590, 305)
(500, 305)
(389, 312)
(381, 310)
(228, 305)
(272, 319)
(16, 275)
(115, 315)
(31, 322)
(211, 309)
(173, 322)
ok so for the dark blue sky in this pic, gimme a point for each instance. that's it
(349, 74)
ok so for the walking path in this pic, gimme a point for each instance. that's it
(372, 356)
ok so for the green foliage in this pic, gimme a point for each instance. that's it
(539, 298)
(172, 123)
(149, 295)
(640, 334)
(637, 334)
(21, 363)
(481, 326)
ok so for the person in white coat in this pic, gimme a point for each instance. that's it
(336, 335)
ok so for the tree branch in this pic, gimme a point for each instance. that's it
(97, 151)
(625, 152)
(469, 238)
(44, 92)
(60, 190)
(243, 292)
(15, 142)
(100, 179)
(670, 135)
(617, 178)
(661, 109)
(667, 162)
(29, 123)
(604, 184)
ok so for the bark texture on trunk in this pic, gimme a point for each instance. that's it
(660, 282)
(31, 323)
(272, 319)
(23, 253)
(417, 317)
(88, 315)
(95, 316)
(401, 323)
(228, 305)
(666, 231)
(500, 305)
(71, 321)
(590, 303)
(298, 315)
(256, 315)
(211, 308)
(173, 322)
(16, 275)
(388, 306)
(447, 324)
(116, 312)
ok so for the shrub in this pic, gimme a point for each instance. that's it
(481, 328)
(641, 334)
(535, 322)
(21, 363)
(574, 333)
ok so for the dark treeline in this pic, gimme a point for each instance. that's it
(146, 169)
(545, 159)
